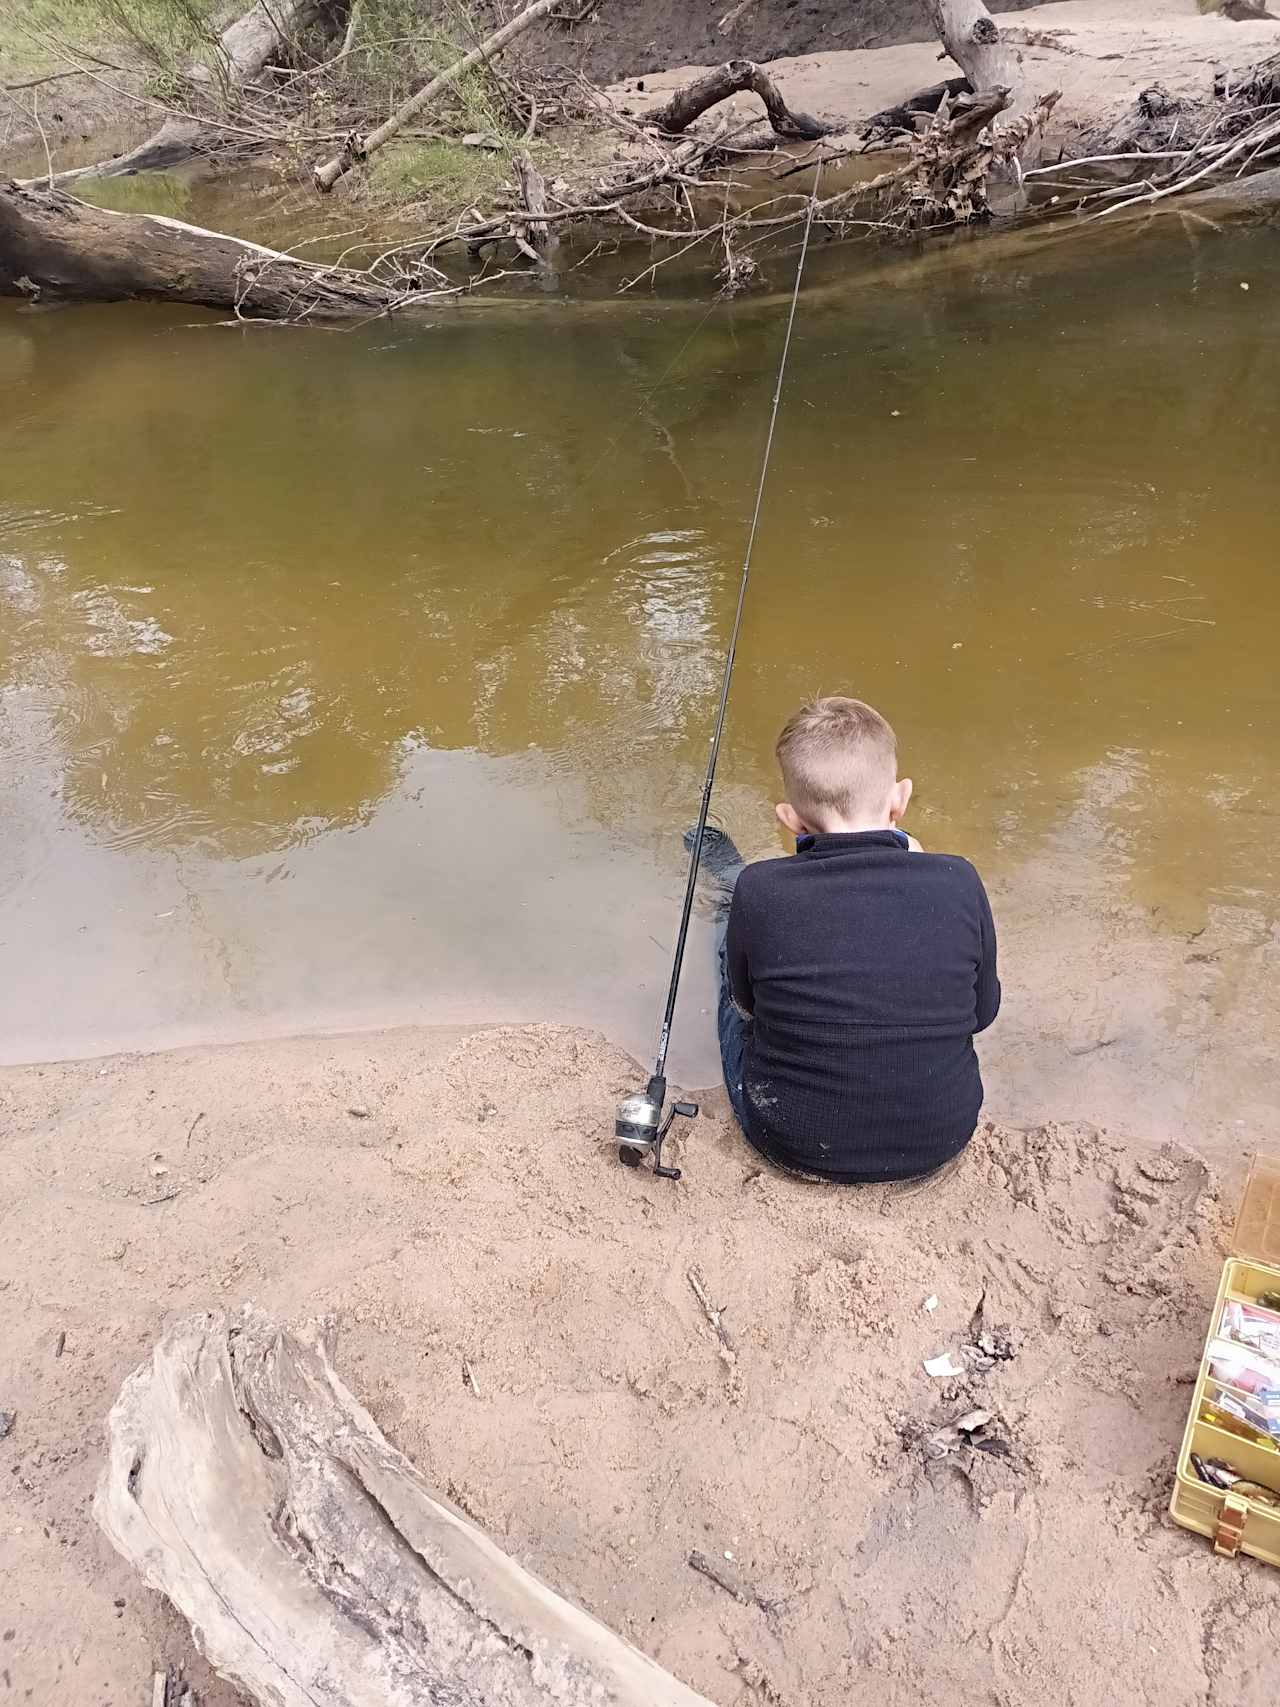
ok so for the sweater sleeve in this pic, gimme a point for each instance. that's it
(736, 957)
(988, 981)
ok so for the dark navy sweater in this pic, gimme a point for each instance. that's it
(866, 970)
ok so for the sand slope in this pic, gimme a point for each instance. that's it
(475, 1211)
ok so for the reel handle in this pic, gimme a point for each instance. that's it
(688, 1111)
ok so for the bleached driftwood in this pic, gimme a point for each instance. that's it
(247, 1484)
(55, 248)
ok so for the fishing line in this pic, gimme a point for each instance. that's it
(639, 1121)
(649, 396)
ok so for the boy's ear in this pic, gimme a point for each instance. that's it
(900, 799)
(790, 819)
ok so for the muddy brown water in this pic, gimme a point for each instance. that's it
(352, 678)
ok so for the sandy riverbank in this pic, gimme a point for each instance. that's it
(453, 1195)
(1101, 54)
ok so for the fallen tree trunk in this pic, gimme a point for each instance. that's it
(53, 246)
(257, 38)
(247, 1484)
(358, 148)
(735, 77)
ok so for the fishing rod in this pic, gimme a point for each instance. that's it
(640, 1124)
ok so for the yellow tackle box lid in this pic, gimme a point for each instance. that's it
(1236, 1523)
(1257, 1234)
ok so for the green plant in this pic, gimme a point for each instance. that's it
(436, 171)
(402, 44)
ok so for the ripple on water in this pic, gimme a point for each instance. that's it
(654, 547)
(664, 657)
(179, 825)
(36, 718)
(18, 521)
(157, 818)
(113, 632)
(18, 589)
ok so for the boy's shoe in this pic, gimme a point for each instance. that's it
(720, 857)
(718, 865)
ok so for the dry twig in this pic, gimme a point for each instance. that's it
(730, 1582)
(715, 1318)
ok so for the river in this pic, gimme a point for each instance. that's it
(352, 678)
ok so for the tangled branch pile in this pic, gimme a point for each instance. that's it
(1242, 136)
(684, 195)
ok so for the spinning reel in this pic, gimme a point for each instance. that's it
(640, 1128)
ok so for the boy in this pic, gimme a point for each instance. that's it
(854, 975)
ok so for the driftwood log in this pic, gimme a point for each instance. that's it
(247, 1484)
(735, 77)
(60, 249)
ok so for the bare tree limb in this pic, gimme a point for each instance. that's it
(359, 148)
(537, 236)
(735, 77)
(37, 82)
(349, 38)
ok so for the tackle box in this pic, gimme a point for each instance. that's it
(1235, 1523)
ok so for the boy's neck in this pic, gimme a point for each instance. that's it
(853, 826)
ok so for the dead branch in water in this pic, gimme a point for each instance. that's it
(943, 183)
(1242, 137)
(55, 247)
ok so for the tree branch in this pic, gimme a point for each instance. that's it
(735, 77)
(360, 148)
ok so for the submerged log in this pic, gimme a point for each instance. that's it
(248, 1485)
(735, 77)
(55, 247)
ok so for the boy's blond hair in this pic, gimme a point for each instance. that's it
(839, 758)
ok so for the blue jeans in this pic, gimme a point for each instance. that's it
(733, 1025)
